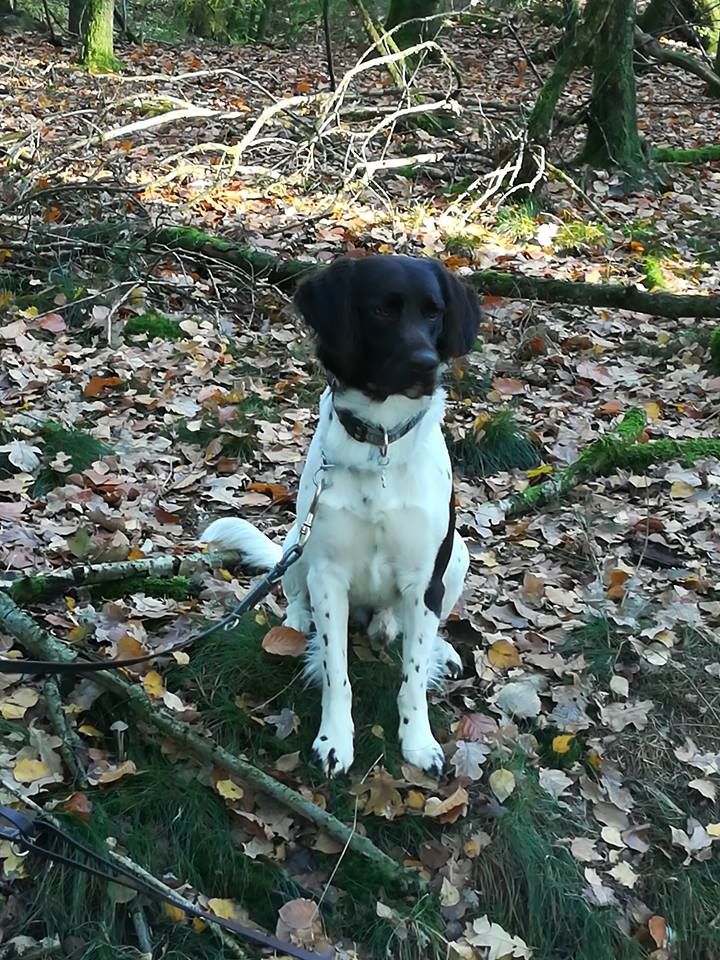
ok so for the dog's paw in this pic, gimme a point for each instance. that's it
(333, 751)
(446, 663)
(422, 750)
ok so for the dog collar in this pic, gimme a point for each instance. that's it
(365, 432)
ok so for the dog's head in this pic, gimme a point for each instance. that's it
(385, 324)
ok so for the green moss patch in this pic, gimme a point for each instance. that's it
(153, 325)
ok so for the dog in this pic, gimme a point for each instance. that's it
(383, 540)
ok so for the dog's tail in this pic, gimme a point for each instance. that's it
(232, 533)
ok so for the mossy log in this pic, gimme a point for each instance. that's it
(693, 155)
(617, 450)
(44, 586)
(42, 645)
(286, 273)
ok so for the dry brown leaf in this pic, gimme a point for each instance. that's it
(284, 642)
(503, 655)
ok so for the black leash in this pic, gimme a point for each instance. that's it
(22, 828)
(254, 595)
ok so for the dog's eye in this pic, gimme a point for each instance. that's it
(390, 307)
(431, 310)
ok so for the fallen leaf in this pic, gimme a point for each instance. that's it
(153, 684)
(583, 849)
(227, 909)
(624, 874)
(617, 716)
(475, 726)
(382, 796)
(27, 770)
(98, 385)
(284, 642)
(469, 758)
(18, 701)
(503, 655)
(563, 742)
(706, 787)
(498, 942)
(554, 782)
(508, 386)
(78, 804)
(229, 790)
(450, 809)
(658, 929)
(520, 698)
(502, 784)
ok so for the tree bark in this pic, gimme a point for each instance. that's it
(576, 44)
(97, 35)
(403, 10)
(613, 141)
(75, 13)
(286, 273)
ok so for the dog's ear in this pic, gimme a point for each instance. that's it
(462, 316)
(324, 300)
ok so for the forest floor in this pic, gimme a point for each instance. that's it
(147, 390)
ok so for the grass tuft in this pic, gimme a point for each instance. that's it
(495, 444)
(518, 221)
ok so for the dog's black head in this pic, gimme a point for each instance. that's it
(384, 324)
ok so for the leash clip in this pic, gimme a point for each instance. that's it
(383, 458)
(309, 520)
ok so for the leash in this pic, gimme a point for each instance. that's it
(251, 599)
(23, 829)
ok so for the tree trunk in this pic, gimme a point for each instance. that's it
(97, 35)
(613, 140)
(576, 44)
(7, 8)
(75, 13)
(402, 10)
(263, 21)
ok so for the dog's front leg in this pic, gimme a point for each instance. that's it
(333, 746)
(419, 628)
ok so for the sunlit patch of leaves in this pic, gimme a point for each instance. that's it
(579, 236)
(517, 221)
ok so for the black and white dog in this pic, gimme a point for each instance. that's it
(383, 540)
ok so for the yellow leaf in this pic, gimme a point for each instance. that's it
(260, 618)
(377, 731)
(502, 784)
(225, 574)
(503, 655)
(174, 913)
(152, 682)
(18, 702)
(713, 829)
(70, 603)
(26, 770)
(181, 657)
(653, 411)
(480, 421)
(229, 790)
(415, 800)
(540, 471)
(680, 490)
(563, 742)
(227, 909)
(90, 731)
(198, 925)
(135, 554)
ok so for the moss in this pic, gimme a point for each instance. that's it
(715, 350)
(154, 325)
(654, 274)
(695, 155)
(497, 444)
(176, 588)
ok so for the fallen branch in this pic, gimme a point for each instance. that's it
(286, 273)
(597, 458)
(616, 451)
(43, 645)
(43, 586)
(652, 48)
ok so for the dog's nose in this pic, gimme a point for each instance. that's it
(424, 360)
